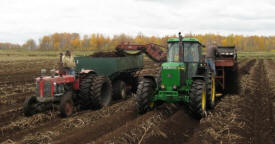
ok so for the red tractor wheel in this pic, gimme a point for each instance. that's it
(66, 105)
(30, 106)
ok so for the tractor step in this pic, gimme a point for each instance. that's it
(218, 94)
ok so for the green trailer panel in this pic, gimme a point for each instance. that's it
(109, 65)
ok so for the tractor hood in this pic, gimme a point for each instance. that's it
(171, 75)
(172, 65)
(57, 79)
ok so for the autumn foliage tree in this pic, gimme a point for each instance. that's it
(100, 42)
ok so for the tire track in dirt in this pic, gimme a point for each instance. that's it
(101, 127)
(17, 98)
(80, 121)
(270, 70)
(245, 67)
(175, 130)
(25, 125)
(8, 116)
(134, 131)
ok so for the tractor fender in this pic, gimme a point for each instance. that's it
(153, 78)
(83, 71)
(198, 77)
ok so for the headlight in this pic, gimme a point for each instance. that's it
(162, 86)
(43, 72)
(174, 87)
(54, 87)
(181, 68)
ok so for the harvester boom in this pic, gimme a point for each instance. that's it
(154, 51)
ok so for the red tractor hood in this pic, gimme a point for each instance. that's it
(57, 79)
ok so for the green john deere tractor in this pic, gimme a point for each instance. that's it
(185, 77)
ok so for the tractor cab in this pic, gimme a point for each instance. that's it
(190, 51)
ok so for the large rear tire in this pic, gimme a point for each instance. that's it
(85, 91)
(101, 92)
(211, 91)
(197, 101)
(66, 107)
(145, 94)
(29, 106)
(120, 89)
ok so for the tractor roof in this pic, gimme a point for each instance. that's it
(195, 40)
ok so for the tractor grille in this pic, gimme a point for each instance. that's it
(47, 89)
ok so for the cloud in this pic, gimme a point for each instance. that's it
(24, 19)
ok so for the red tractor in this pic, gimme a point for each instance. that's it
(97, 81)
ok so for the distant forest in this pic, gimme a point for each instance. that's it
(100, 42)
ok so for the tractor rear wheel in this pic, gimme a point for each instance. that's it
(145, 93)
(119, 89)
(197, 101)
(29, 106)
(101, 92)
(85, 90)
(211, 91)
(66, 107)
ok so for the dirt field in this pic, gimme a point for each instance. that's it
(246, 117)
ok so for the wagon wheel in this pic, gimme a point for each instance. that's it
(85, 90)
(120, 90)
(101, 92)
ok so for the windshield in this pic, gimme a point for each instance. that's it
(191, 52)
(173, 52)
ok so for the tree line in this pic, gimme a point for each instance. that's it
(100, 42)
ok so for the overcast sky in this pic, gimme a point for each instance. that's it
(21, 20)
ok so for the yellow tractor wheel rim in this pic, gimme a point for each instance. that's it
(203, 98)
(213, 89)
(151, 104)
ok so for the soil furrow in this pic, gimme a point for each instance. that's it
(10, 115)
(101, 127)
(175, 130)
(135, 131)
(257, 111)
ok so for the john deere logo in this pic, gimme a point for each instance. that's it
(169, 75)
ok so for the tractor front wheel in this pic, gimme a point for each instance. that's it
(145, 93)
(66, 107)
(29, 106)
(101, 91)
(197, 101)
